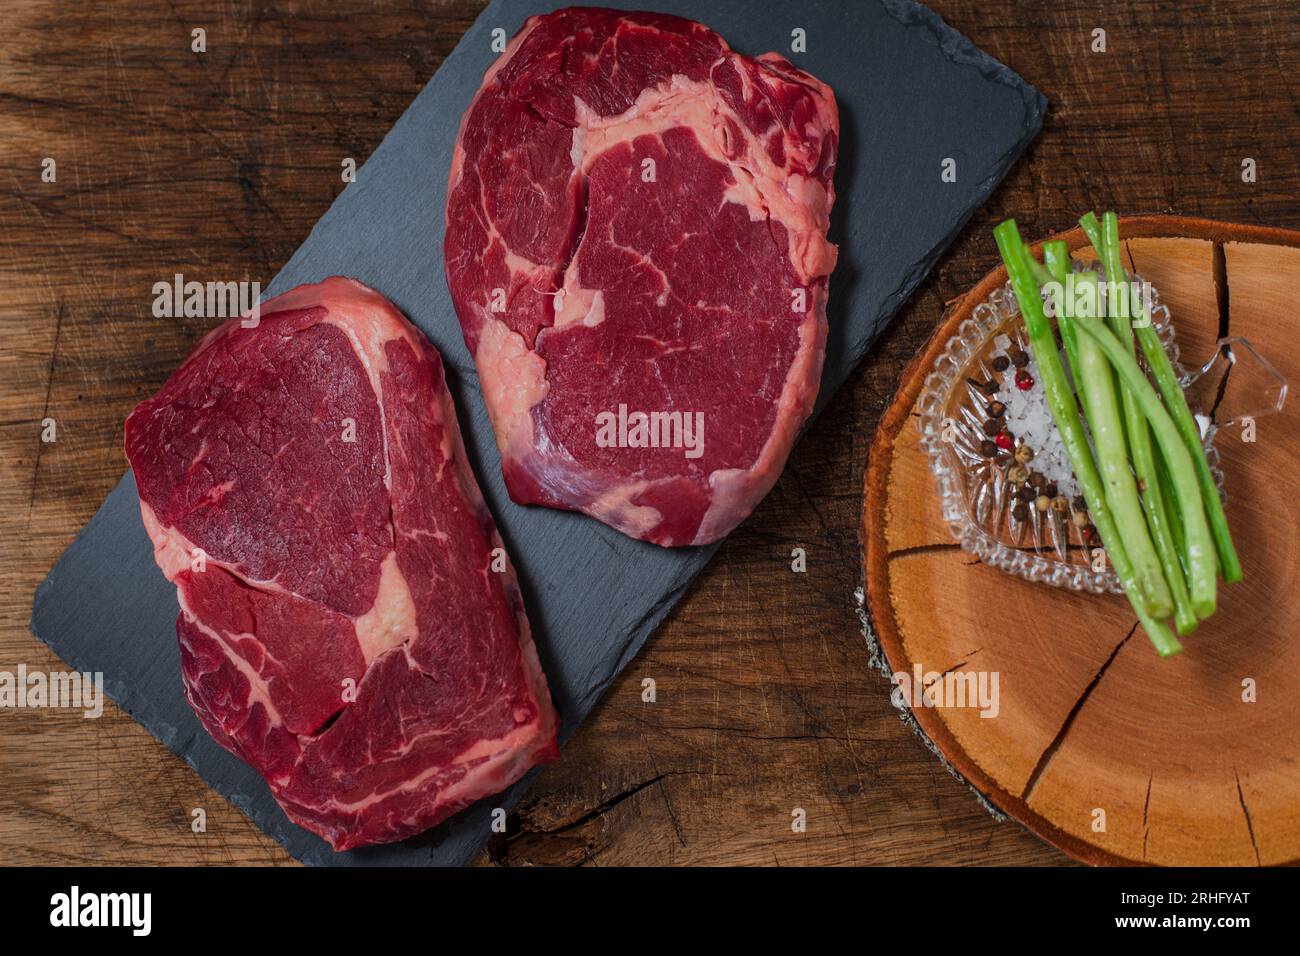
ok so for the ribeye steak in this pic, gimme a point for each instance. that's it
(635, 245)
(347, 626)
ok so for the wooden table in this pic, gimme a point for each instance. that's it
(218, 164)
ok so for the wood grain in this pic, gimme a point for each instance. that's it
(1185, 769)
(217, 165)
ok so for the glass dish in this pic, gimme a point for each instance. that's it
(973, 489)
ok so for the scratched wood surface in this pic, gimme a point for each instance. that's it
(218, 164)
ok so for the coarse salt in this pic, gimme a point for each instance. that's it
(1030, 420)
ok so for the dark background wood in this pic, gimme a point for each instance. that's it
(217, 165)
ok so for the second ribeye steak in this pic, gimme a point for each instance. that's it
(636, 248)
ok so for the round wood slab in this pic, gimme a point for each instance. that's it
(1098, 745)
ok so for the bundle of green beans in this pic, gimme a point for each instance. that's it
(1148, 487)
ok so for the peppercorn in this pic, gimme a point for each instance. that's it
(1020, 512)
(987, 448)
(1061, 505)
(984, 388)
(1050, 489)
(1019, 358)
(997, 409)
(1024, 381)
(1037, 479)
(1042, 502)
(1080, 504)
(1080, 520)
(1005, 441)
(1090, 534)
(1024, 454)
(1026, 494)
(1000, 363)
(1018, 474)
(992, 426)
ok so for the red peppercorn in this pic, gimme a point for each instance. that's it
(1024, 381)
(1005, 441)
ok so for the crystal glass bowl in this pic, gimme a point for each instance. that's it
(974, 490)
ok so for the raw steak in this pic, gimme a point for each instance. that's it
(636, 242)
(346, 627)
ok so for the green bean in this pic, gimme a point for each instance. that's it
(1092, 229)
(1200, 544)
(1176, 402)
(1056, 256)
(1066, 416)
(1167, 492)
(1162, 533)
(1108, 435)
(1139, 434)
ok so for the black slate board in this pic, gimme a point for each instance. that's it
(911, 92)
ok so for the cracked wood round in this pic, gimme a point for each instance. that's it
(1093, 728)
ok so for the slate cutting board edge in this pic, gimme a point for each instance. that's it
(463, 836)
